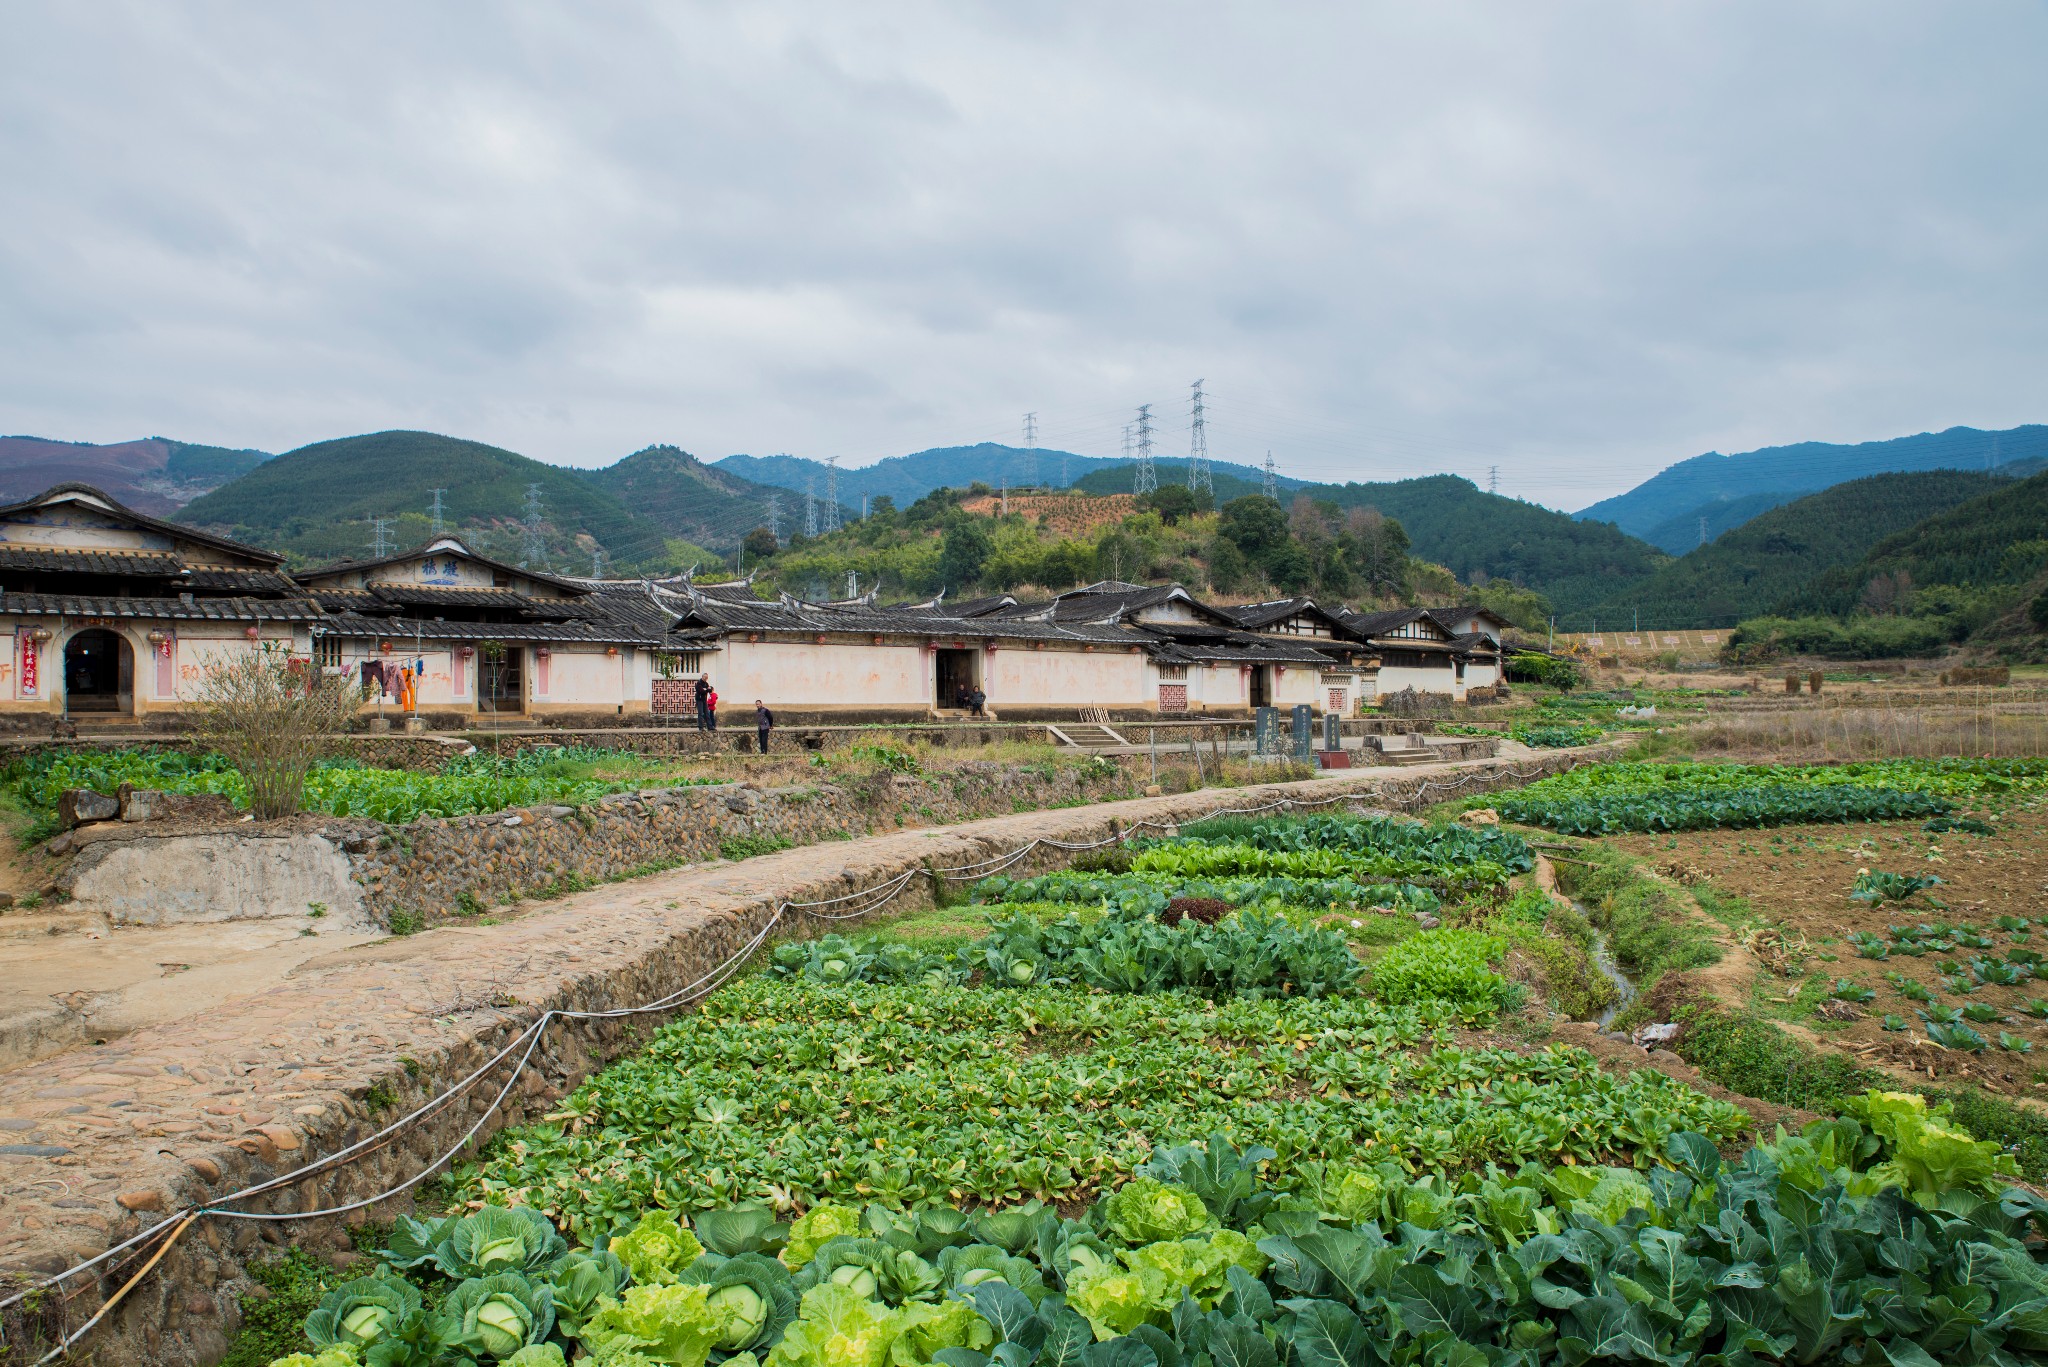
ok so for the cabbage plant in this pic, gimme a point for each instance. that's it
(358, 1313)
(501, 1313)
(498, 1239)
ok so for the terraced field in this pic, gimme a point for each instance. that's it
(1215, 1101)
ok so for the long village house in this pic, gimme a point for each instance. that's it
(115, 615)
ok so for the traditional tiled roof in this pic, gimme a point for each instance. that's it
(445, 544)
(54, 560)
(179, 609)
(1376, 623)
(60, 493)
(218, 580)
(1474, 643)
(355, 625)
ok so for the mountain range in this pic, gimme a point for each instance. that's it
(653, 511)
(1667, 509)
(154, 475)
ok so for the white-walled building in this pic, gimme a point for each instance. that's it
(116, 614)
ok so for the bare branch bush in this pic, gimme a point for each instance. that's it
(272, 715)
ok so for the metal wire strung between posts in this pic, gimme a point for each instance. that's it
(872, 899)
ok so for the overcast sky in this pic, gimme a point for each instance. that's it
(1576, 240)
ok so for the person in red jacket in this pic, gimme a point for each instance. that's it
(711, 710)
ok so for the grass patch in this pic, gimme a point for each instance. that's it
(748, 846)
(273, 1319)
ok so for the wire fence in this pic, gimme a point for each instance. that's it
(156, 1241)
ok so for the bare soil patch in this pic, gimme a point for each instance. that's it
(1785, 894)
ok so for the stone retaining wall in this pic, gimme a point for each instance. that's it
(98, 1142)
(421, 869)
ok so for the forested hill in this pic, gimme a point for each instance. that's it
(1453, 523)
(1670, 504)
(698, 502)
(317, 503)
(1781, 553)
(154, 475)
(907, 479)
(1994, 546)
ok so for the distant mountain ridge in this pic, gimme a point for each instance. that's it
(648, 513)
(153, 475)
(1749, 570)
(909, 478)
(1665, 509)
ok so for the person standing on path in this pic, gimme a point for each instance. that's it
(763, 720)
(703, 694)
(711, 710)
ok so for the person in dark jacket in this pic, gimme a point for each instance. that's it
(976, 699)
(703, 704)
(763, 720)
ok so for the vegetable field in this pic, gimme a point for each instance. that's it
(464, 785)
(1617, 798)
(1215, 1103)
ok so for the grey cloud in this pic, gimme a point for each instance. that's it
(1579, 241)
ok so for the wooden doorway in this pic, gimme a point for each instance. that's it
(501, 683)
(1262, 685)
(99, 673)
(954, 676)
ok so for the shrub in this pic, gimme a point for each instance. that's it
(272, 715)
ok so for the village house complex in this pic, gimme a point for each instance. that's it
(113, 614)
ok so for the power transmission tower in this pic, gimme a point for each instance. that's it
(1272, 482)
(1030, 449)
(775, 517)
(1198, 448)
(1493, 479)
(852, 584)
(1147, 478)
(1127, 452)
(439, 524)
(380, 538)
(863, 507)
(810, 510)
(597, 562)
(535, 541)
(831, 493)
(1703, 529)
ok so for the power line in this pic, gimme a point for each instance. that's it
(1030, 448)
(1198, 448)
(380, 538)
(1146, 479)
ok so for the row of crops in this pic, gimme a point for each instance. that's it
(1619, 798)
(1176, 1112)
(342, 787)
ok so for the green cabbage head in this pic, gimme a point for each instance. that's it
(497, 1239)
(1146, 1211)
(503, 1313)
(822, 1222)
(923, 1329)
(837, 1327)
(657, 1248)
(358, 1313)
(337, 1355)
(537, 1355)
(673, 1325)
(753, 1296)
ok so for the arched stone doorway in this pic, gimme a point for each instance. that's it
(99, 673)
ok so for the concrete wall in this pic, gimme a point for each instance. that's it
(145, 880)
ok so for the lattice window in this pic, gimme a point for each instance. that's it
(1173, 697)
(327, 652)
(1173, 671)
(675, 664)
